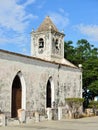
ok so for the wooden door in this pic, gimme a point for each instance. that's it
(16, 96)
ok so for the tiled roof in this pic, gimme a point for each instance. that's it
(46, 25)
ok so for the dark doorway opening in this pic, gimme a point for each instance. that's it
(48, 94)
(16, 96)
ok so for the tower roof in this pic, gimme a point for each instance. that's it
(46, 25)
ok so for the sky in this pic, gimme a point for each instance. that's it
(77, 18)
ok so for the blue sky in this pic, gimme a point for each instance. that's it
(78, 19)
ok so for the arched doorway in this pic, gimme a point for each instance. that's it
(18, 94)
(49, 93)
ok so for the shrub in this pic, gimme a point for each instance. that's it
(93, 104)
(75, 100)
(74, 105)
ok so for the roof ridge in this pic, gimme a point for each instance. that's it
(46, 25)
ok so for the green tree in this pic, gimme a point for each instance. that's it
(82, 51)
(86, 54)
(69, 51)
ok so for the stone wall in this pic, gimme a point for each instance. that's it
(36, 73)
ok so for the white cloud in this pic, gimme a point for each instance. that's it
(28, 2)
(14, 21)
(41, 4)
(14, 16)
(62, 10)
(59, 19)
(89, 30)
(19, 40)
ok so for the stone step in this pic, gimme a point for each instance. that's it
(12, 121)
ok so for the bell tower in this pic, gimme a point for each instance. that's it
(47, 42)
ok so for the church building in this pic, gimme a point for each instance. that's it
(36, 82)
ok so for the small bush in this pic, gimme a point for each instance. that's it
(75, 100)
(74, 105)
(93, 104)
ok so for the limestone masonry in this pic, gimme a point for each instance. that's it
(36, 82)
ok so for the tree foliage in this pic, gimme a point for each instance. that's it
(86, 54)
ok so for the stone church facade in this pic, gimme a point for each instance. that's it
(35, 82)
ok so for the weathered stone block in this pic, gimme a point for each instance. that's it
(21, 115)
(2, 120)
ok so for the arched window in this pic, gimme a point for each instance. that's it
(48, 93)
(41, 43)
(57, 44)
